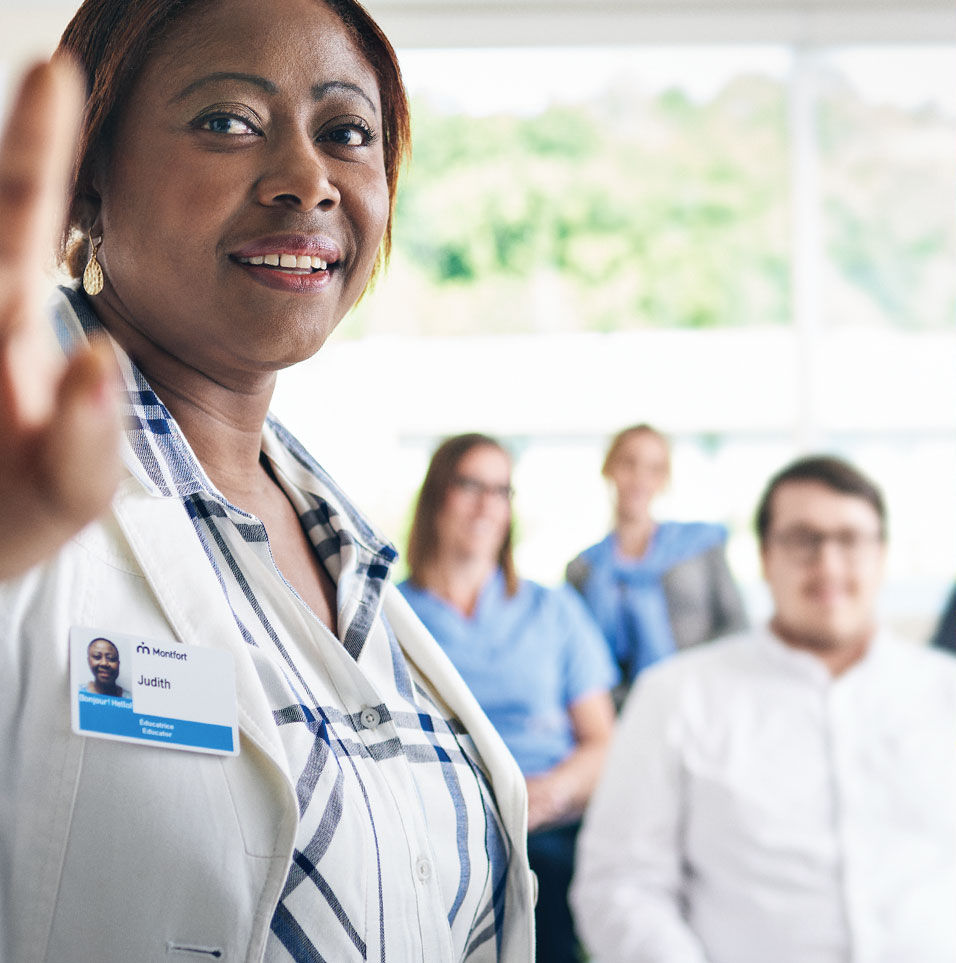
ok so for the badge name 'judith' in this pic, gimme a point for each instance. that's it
(156, 682)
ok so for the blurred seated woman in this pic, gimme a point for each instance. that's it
(531, 655)
(653, 587)
(233, 193)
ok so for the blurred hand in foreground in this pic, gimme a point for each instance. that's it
(59, 425)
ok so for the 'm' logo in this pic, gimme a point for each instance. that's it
(142, 648)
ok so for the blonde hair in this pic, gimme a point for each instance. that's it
(625, 435)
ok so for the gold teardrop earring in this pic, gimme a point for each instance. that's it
(93, 275)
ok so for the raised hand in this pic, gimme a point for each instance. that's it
(59, 427)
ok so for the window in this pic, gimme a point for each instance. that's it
(751, 247)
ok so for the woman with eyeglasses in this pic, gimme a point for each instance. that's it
(532, 656)
(653, 587)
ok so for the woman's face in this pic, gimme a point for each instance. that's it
(254, 133)
(474, 519)
(639, 472)
(104, 662)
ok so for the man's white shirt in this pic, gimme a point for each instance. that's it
(755, 809)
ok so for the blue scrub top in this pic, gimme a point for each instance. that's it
(527, 659)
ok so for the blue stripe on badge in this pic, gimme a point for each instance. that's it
(115, 717)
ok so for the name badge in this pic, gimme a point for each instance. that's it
(163, 693)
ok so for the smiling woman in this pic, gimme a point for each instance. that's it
(534, 659)
(282, 164)
(232, 196)
(104, 662)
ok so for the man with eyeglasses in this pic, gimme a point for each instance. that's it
(788, 794)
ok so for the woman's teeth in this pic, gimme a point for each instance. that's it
(301, 261)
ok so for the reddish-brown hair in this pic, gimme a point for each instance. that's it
(441, 474)
(112, 40)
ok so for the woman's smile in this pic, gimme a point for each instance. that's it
(295, 262)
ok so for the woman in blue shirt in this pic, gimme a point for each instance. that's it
(532, 656)
(653, 587)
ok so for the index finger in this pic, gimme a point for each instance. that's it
(36, 156)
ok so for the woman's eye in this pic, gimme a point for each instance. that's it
(349, 135)
(226, 124)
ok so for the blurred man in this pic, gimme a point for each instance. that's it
(787, 795)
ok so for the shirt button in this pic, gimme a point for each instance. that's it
(423, 869)
(370, 717)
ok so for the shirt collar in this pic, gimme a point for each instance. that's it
(154, 449)
(805, 664)
(491, 597)
(158, 455)
(305, 473)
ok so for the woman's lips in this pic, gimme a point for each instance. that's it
(300, 263)
(295, 279)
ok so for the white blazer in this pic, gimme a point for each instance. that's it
(122, 853)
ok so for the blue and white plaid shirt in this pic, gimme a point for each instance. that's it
(400, 853)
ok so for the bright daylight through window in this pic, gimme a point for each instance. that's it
(751, 247)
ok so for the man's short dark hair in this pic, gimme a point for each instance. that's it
(826, 470)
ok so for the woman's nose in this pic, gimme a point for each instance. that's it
(299, 177)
